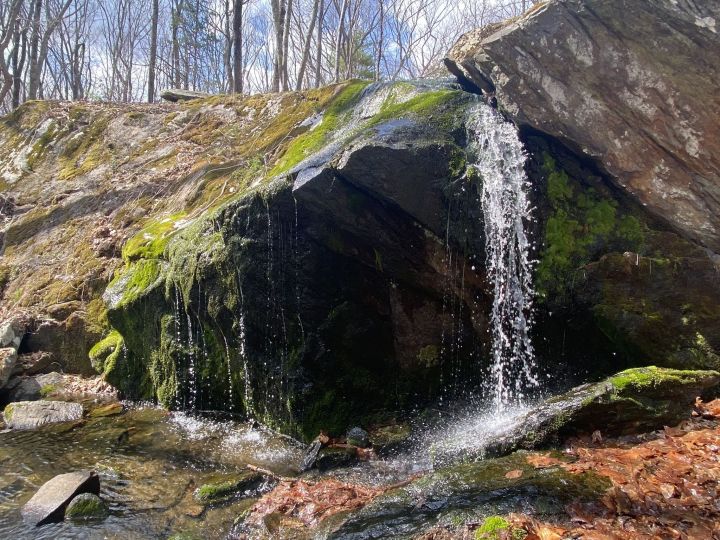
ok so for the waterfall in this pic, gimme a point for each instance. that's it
(506, 207)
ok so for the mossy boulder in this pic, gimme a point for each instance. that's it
(86, 506)
(245, 485)
(323, 280)
(633, 401)
(472, 492)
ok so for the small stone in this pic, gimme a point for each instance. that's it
(49, 503)
(358, 437)
(86, 506)
(111, 409)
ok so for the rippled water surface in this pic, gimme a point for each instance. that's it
(149, 463)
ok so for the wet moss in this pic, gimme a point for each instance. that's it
(492, 528)
(313, 140)
(647, 378)
(104, 353)
(583, 222)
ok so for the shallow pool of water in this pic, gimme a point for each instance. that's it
(149, 462)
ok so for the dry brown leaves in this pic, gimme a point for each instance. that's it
(664, 488)
(311, 502)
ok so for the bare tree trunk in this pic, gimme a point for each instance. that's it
(278, 14)
(237, 47)
(380, 40)
(153, 50)
(306, 48)
(34, 75)
(18, 63)
(228, 49)
(318, 63)
(338, 43)
(286, 45)
(5, 38)
(175, 23)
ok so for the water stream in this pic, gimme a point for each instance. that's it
(506, 208)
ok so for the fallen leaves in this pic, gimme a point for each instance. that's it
(311, 502)
(666, 487)
(512, 475)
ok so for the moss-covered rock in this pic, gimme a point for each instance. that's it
(244, 485)
(280, 303)
(472, 492)
(632, 401)
(86, 506)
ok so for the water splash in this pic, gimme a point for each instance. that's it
(506, 208)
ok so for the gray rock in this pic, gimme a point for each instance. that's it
(8, 358)
(10, 334)
(176, 94)
(33, 414)
(628, 83)
(632, 401)
(22, 389)
(49, 503)
(33, 363)
(358, 437)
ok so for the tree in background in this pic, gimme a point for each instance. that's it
(124, 50)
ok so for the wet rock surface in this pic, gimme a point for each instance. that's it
(633, 401)
(629, 84)
(49, 503)
(34, 414)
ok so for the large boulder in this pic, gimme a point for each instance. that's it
(49, 503)
(34, 414)
(632, 401)
(330, 290)
(631, 83)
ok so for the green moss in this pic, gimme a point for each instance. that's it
(85, 506)
(653, 377)
(136, 279)
(41, 144)
(46, 390)
(311, 141)
(151, 240)
(582, 224)
(5, 277)
(103, 355)
(225, 490)
(8, 412)
(85, 149)
(428, 355)
(422, 105)
(491, 528)
(96, 320)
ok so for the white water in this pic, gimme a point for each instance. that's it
(506, 208)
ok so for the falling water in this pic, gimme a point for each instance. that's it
(506, 207)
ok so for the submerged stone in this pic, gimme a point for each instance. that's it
(49, 503)
(245, 485)
(86, 506)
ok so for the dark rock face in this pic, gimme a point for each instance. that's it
(345, 287)
(632, 84)
(49, 503)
